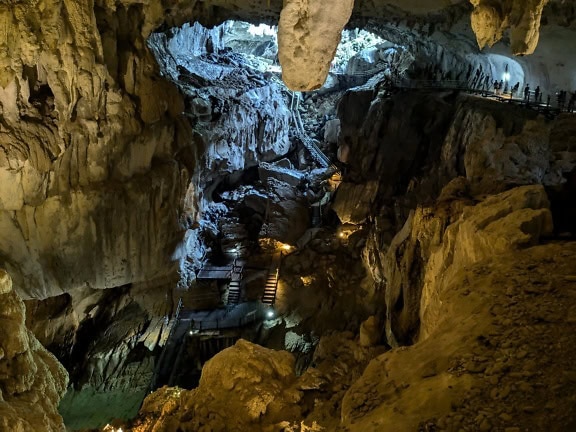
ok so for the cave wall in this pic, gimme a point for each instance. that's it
(32, 381)
(91, 188)
(403, 157)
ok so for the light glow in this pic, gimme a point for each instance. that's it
(270, 314)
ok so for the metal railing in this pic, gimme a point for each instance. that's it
(309, 143)
(225, 323)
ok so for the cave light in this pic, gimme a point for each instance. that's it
(262, 30)
(286, 247)
(270, 314)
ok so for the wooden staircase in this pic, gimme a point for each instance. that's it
(271, 287)
(234, 288)
(235, 284)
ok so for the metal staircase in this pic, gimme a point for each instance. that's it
(271, 287)
(235, 284)
(234, 291)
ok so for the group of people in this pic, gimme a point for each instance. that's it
(561, 98)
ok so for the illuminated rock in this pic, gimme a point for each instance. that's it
(490, 19)
(308, 34)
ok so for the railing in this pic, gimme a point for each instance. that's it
(308, 142)
(225, 323)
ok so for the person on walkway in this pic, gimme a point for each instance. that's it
(537, 94)
(548, 101)
(527, 93)
(571, 102)
(561, 99)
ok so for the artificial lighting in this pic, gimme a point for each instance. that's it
(286, 247)
(341, 235)
(506, 76)
(270, 314)
(191, 332)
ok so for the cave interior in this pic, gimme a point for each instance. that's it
(265, 215)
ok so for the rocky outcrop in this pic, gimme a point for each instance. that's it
(32, 381)
(497, 357)
(492, 145)
(440, 239)
(261, 380)
(308, 35)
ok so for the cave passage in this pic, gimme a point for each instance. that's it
(265, 207)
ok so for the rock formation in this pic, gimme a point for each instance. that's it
(484, 355)
(308, 35)
(130, 149)
(32, 381)
(491, 18)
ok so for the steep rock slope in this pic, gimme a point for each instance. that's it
(494, 350)
(31, 379)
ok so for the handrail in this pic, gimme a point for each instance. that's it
(320, 157)
(225, 323)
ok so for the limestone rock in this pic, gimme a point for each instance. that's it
(5, 282)
(423, 253)
(483, 366)
(370, 332)
(352, 203)
(490, 18)
(32, 381)
(331, 131)
(242, 388)
(308, 34)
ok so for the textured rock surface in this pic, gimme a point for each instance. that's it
(308, 35)
(32, 381)
(83, 121)
(498, 356)
(422, 257)
(261, 380)
(491, 18)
